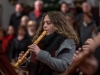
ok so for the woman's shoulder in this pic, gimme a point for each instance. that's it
(67, 43)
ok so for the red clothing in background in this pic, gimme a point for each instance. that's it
(37, 13)
(4, 44)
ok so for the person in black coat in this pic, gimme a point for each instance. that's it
(37, 13)
(16, 16)
(86, 8)
(19, 43)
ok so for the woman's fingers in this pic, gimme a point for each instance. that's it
(32, 46)
(22, 52)
(88, 41)
(21, 55)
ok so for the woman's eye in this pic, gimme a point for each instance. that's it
(48, 23)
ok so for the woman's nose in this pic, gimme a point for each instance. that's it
(45, 25)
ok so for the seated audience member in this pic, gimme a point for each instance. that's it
(10, 33)
(31, 27)
(72, 21)
(24, 21)
(64, 8)
(10, 36)
(37, 13)
(86, 8)
(19, 43)
(87, 27)
(16, 16)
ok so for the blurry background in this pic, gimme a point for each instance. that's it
(7, 7)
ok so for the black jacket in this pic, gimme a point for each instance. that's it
(18, 46)
(95, 18)
(15, 20)
(32, 16)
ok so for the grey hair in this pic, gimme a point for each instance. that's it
(38, 1)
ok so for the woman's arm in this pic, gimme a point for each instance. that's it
(63, 59)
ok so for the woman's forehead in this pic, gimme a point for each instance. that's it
(46, 18)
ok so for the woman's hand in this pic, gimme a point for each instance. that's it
(20, 56)
(90, 45)
(34, 48)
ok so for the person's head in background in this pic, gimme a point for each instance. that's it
(24, 21)
(64, 7)
(70, 18)
(19, 8)
(86, 7)
(2, 33)
(31, 27)
(10, 33)
(72, 21)
(10, 30)
(22, 31)
(87, 18)
(38, 5)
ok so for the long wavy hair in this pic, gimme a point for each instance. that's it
(61, 26)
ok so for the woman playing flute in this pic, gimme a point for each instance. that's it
(55, 51)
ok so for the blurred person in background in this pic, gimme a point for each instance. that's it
(10, 33)
(37, 13)
(10, 36)
(73, 22)
(3, 40)
(86, 8)
(87, 27)
(64, 8)
(16, 16)
(24, 21)
(19, 43)
(31, 27)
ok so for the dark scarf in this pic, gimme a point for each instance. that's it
(50, 43)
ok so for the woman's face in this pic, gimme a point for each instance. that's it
(64, 8)
(86, 18)
(70, 20)
(48, 25)
(32, 28)
(21, 32)
(24, 22)
(10, 30)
